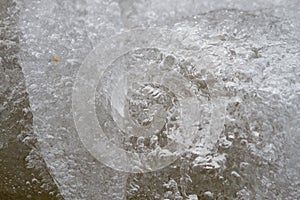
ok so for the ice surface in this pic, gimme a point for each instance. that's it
(248, 55)
(66, 31)
(19, 179)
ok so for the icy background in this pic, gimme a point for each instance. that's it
(23, 173)
(249, 53)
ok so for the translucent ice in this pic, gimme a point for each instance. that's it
(247, 54)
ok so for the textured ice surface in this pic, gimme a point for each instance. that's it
(165, 98)
(61, 29)
(23, 173)
(248, 53)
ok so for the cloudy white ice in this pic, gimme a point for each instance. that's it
(240, 59)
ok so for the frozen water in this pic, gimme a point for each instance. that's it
(19, 179)
(246, 52)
